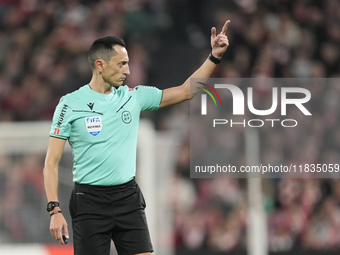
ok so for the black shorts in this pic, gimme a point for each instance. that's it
(102, 213)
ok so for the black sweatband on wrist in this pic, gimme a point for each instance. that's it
(213, 59)
(55, 213)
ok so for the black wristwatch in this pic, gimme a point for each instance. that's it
(51, 205)
(213, 59)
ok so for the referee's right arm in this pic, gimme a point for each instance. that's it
(54, 152)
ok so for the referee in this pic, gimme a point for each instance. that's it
(100, 121)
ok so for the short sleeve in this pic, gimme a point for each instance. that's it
(149, 98)
(61, 123)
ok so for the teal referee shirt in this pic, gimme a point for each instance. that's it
(102, 131)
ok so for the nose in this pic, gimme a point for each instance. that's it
(126, 70)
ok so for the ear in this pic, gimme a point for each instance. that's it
(100, 63)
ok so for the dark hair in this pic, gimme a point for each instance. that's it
(103, 48)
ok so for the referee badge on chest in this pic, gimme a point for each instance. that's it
(93, 125)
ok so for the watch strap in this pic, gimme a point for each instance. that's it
(214, 59)
(55, 212)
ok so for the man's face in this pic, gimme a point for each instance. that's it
(116, 70)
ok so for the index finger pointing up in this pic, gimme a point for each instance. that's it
(225, 27)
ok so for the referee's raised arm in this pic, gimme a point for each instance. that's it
(219, 44)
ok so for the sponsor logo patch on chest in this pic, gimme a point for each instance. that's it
(94, 125)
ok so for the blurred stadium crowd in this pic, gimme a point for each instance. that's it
(43, 46)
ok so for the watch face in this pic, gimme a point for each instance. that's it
(51, 205)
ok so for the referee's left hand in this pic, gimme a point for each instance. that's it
(220, 42)
(58, 225)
